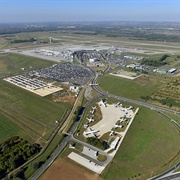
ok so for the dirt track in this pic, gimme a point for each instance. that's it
(65, 169)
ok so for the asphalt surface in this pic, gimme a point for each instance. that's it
(69, 137)
(51, 159)
(171, 177)
(109, 158)
(167, 174)
(96, 88)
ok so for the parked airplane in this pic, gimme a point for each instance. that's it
(129, 108)
(94, 107)
(91, 131)
(122, 120)
(90, 119)
(86, 125)
(112, 133)
(91, 84)
(118, 104)
(103, 103)
(117, 126)
(92, 111)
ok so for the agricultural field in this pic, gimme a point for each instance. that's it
(150, 146)
(134, 89)
(151, 143)
(11, 40)
(169, 94)
(63, 165)
(175, 117)
(8, 129)
(67, 169)
(14, 64)
(36, 114)
(87, 37)
(142, 88)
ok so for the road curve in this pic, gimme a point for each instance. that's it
(73, 129)
(97, 89)
(165, 175)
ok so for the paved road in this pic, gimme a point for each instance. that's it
(172, 120)
(168, 173)
(62, 146)
(73, 129)
(51, 159)
(109, 158)
(96, 88)
(175, 176)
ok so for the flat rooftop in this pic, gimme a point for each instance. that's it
(34, 85)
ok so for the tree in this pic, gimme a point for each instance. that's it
(35, 165)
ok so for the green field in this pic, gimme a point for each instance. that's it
(150, 146)
(169, 94)
(8, 129)
(35, 113)
(133, 89)
(8, 68)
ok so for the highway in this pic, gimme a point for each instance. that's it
(109, 158)
(139, 103)
(62, 146)
(168, 175)
(59, 149)
(175, 176)
(51, 159)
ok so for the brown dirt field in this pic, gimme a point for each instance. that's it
(65, 169)
(143, 80)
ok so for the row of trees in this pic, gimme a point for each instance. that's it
(14, 152)
(167, 101)
(155, 63)
(98, 143)
(78, 113)
(23, 40)
(150, 62)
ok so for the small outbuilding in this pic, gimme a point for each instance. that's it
(172, 70)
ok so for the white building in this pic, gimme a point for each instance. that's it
(114, 144)
(93, 60)
(172, 70)
(74, 88)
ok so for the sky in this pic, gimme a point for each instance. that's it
(88, 10)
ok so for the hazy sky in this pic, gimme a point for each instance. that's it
(89, 10)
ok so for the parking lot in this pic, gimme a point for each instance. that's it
(90, 152)
(85, 162)
(65, 73)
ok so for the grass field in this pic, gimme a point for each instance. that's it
(175, 117)
(8, 129)
(13, 65)
(134, 89)
(150, 146)
(81, 37)
(34, 112)
(141, 86)
(169, 94)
